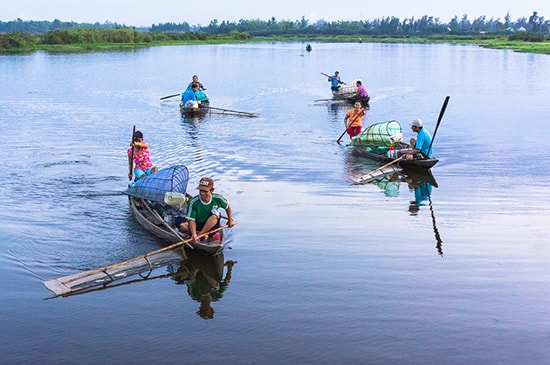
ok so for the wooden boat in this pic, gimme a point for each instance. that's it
(157, 199)
(161, 225)
(193, 112)
(377, 140)
(154, 200)
(380, 154)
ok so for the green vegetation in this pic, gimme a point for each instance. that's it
(85, 39)
(524, 35)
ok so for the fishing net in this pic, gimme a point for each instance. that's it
(379, 134)
(347, 90)
(154, 186)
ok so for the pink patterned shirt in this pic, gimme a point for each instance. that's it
(142, 159)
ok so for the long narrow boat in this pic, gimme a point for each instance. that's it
(147, 214)
(380, 154)
(157, 199)
(377, 140)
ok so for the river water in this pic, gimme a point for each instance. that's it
(323, 271)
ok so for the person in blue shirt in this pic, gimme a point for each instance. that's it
(335, 82)
(420, 144)
(189, 96)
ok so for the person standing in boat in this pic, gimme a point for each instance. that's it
(335, 82)
(195, 80)
(420, 146)
(203, 213)
(139, 158)
(354, 119)
(362, 95)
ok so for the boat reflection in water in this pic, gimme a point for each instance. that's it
(389, 179)
(204, 277)
(202, 273)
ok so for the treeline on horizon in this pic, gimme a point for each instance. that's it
(25, 35)
(381, 26)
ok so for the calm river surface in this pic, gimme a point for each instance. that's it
(326, 272)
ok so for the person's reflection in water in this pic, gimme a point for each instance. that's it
(203, 275)
(422, 192)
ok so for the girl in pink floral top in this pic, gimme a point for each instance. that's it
(139, 150)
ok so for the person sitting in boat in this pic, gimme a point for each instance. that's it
(203, 213)
(189, 97)
(202, 98)
(362, 94)
(138, 155)
(354, 119)
(421, 146)
(335, 82)
(195, 80)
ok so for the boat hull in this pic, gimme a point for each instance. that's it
(154, 223)
(193, 112)
(405, 164)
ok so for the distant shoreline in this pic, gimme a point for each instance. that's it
(485, 41)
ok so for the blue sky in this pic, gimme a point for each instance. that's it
(146, 13)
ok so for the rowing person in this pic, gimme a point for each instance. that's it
(335, 82)
(139, 158)
(195, 80)
(354, 119)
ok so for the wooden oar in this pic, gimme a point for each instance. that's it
(361, 180)
(233, 111)
(439, 121)
(342, 135)
(131, 160)
(177, 244)
(169, 96)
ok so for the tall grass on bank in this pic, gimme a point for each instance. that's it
(86, 39)
(74, 39)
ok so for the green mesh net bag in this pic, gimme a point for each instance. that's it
(379, 134)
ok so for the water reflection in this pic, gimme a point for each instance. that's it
(203, 276)
(421, 183)
(389, 179)
(201, 273)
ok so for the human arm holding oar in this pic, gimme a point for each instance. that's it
(334, 79)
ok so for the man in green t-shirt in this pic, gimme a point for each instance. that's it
(203, 213)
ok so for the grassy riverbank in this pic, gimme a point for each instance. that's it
(486, 41)
(127, 39)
